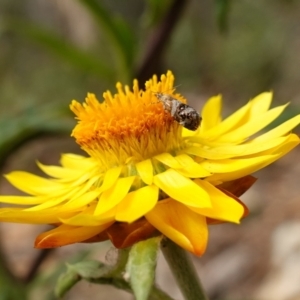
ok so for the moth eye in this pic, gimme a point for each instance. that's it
(181, 107)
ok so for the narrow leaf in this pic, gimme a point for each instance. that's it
(65, 282)
(63, 49)
(90, 269)
(222, 11)
(117, 31)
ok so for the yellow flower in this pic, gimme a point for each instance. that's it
(146, 174)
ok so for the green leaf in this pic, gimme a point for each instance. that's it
(222, 11)
(100, 273)
(121, 256)
(10, 287)
(65, 282)
(141, 267)
(90, 269)
(63, 49)
(32, 123)
(118, 32)
(155, 11)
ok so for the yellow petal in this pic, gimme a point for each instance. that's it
(231, 165)
(251, 127)
(280, 130)
(292, 141)
(114, 195)
(80, 189)
(50, 201)
(241, 167)
(230, 151)
(168, 160)
(182, 189)
(145, 170)
(211, 113)
(110, 178)
(76, 162)
(253, 108)
(18, 215)
(82, 200)
(64, 195)
(136, 204)
(180, 224)
(246, 166)
(187, 133)
(223, 208)
(86, 218)
(233, 121)
(32, 184)
(22, 200)
(190, 168)
(260, 104)
(60, 172)
(65, 235)
(263, 147)
(83, 178)
(281, 150)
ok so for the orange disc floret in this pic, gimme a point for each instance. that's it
(127, 122)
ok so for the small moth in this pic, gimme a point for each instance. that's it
(182, 113)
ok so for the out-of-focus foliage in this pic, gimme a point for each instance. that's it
(222, 11)
(54, 51)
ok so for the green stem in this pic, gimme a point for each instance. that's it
(183, 271)
(121, 263)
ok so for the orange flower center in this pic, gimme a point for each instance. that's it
(131, 125)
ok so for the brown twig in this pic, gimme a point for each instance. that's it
(41, 257)
(152, 62)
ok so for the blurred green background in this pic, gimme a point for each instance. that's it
(54, 51)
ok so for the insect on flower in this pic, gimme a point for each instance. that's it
(182, 113)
